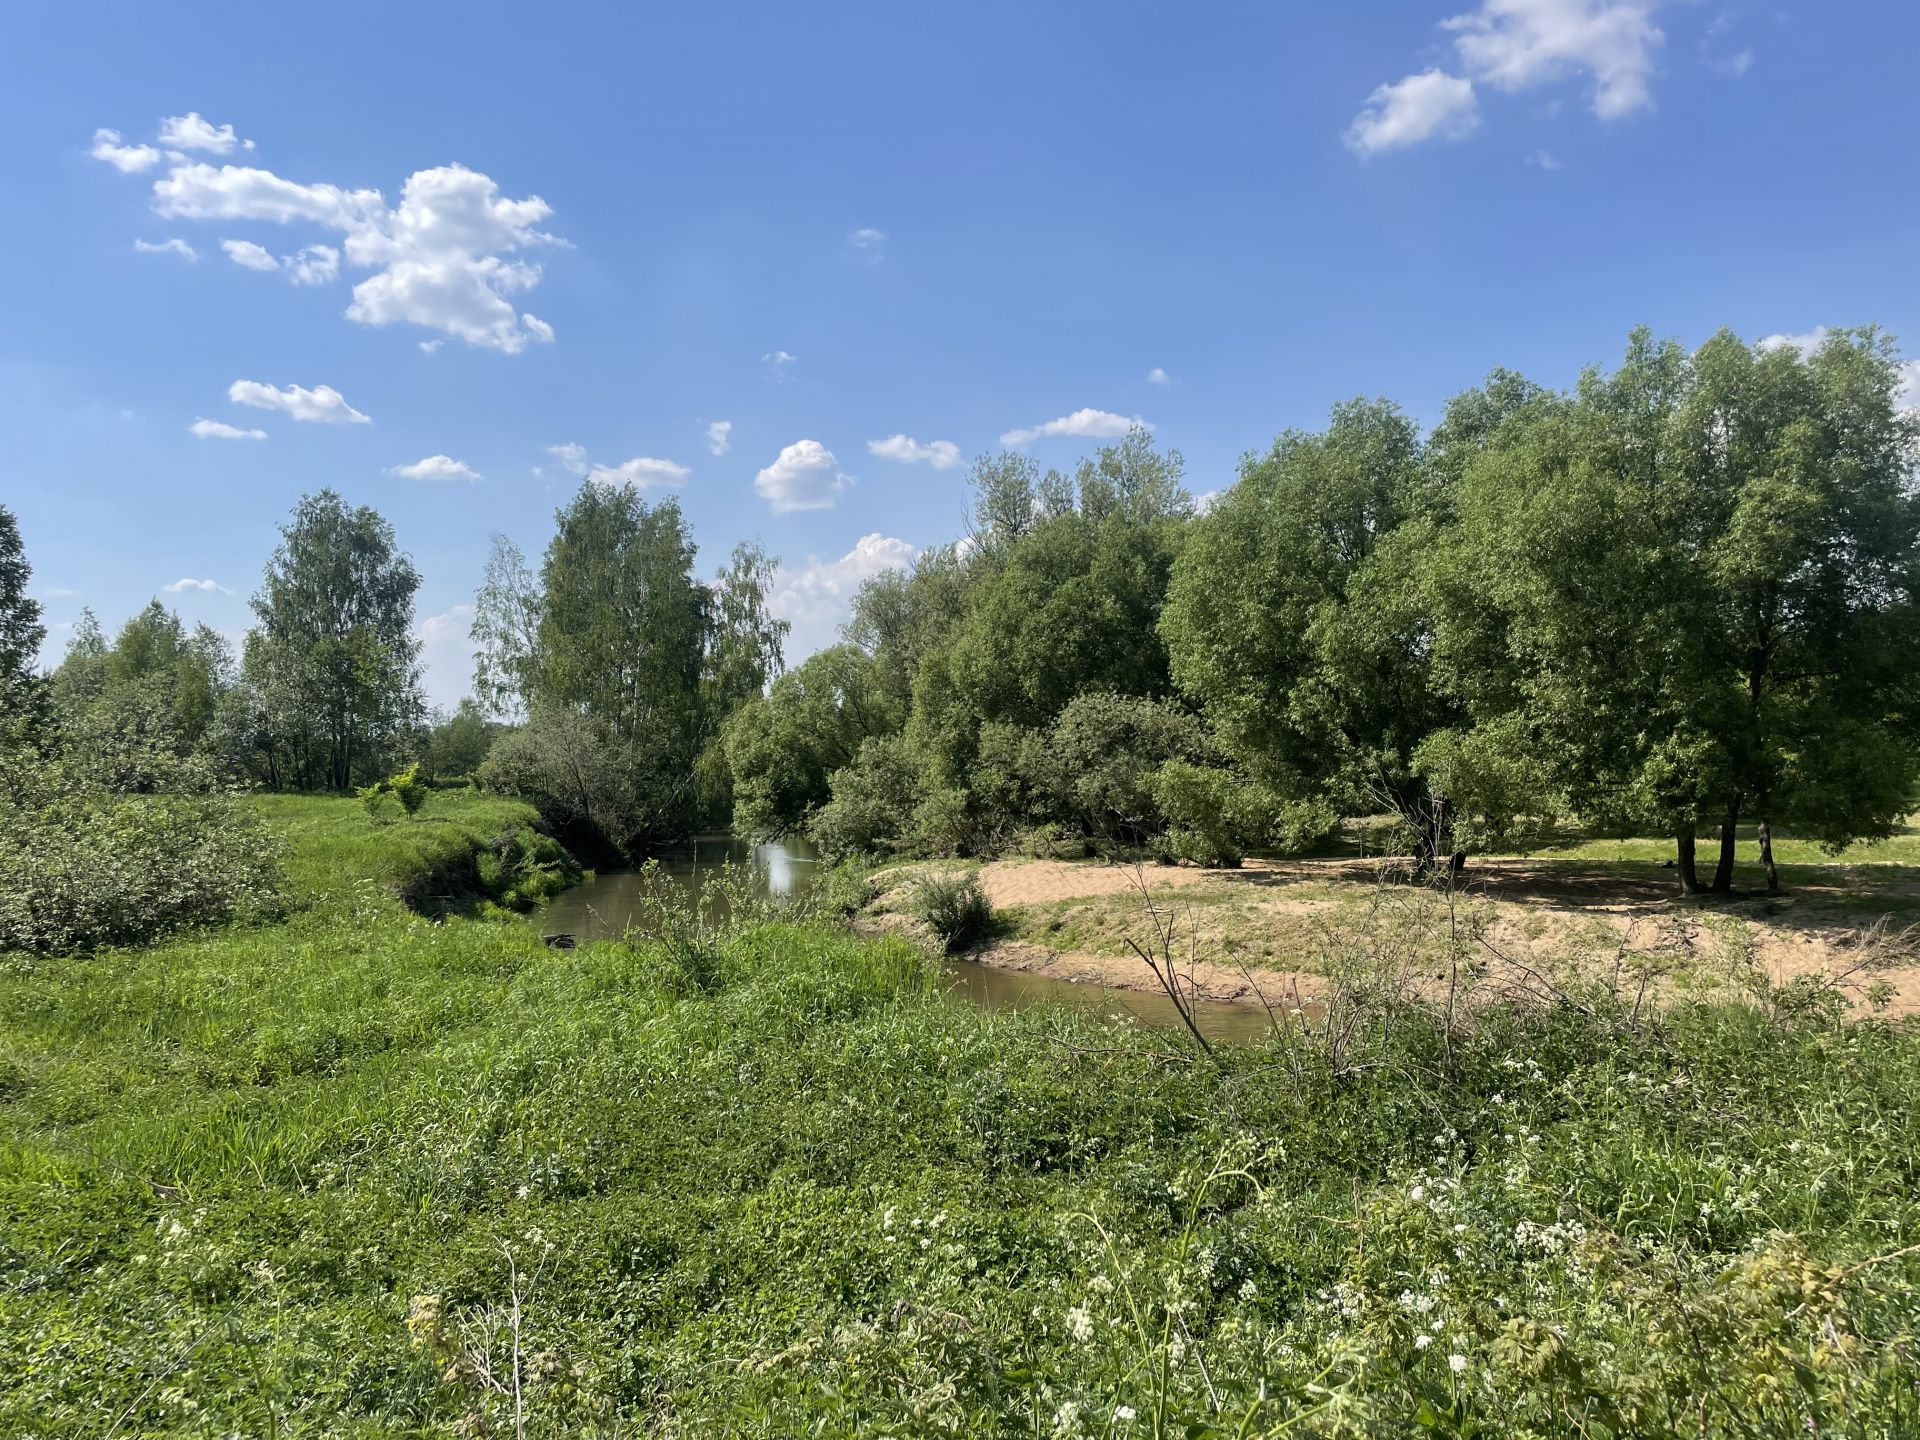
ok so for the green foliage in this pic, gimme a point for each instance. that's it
(793, 1188)
(782, 748)
(20, 632)
(873, 801)
(87, 865)
(457, 744)
(469, 847)
(625, 666)
(592, 788)
(1742, 524)
(954, 907)
(404, 790)
(330, 675)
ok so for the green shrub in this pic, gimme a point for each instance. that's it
(845, 887)
(954, 907)
(406, 790)
(873, 800)
(86, 867)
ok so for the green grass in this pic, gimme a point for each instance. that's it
(796, 1189)
(336, 850)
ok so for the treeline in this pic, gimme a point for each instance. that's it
(1677, 599)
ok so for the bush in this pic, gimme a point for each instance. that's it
(954, 907)
(594, 790)
(405, 789)
(86, 867)
(873, 800)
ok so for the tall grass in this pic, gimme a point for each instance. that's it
(351, 1175)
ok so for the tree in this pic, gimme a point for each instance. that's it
(335, 658)
(1294, 618)
(1690, 589)
(783, 748)
(746, 642)
(505, 632)
(457, 744)
(20, 632)
(1804, 545)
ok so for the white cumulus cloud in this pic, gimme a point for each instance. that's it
(720, 436)
(572, 456)
(173, 246)
(817, 597)
(805, 477)
(1518, 44)
(220, 430)
(940, 454)
(447, 257)
(1421, 107)
(190, 132)
(211, 587)
(1157, 376)
(323, 403)
(245, 252)
(435, 467)
(1097, 424)
(127, 159)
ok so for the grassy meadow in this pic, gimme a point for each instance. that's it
(366, 1173)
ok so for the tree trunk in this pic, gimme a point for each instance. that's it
(1729, 837)
(1766, 856)
(1689, 876)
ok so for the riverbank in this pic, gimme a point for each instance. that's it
(1276, 931)
(465, 849)
(366, 1173)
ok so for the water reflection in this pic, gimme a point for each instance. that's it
(604, 909)
(992, 988)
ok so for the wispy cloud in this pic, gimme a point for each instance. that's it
(720, 436)
(940, 454)
(1095, 424)
(219, 430)
(127, 159)
(212, 587)
(167, 247)
(1427, 106)
(640, 473)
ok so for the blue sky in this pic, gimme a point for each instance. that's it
(958, 222)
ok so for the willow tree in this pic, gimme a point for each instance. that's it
(1295, 619)
(1690, 589)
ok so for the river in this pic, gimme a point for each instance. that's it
(780, 870)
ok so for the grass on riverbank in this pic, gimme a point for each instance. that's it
(463, 848)
(292, 1181)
